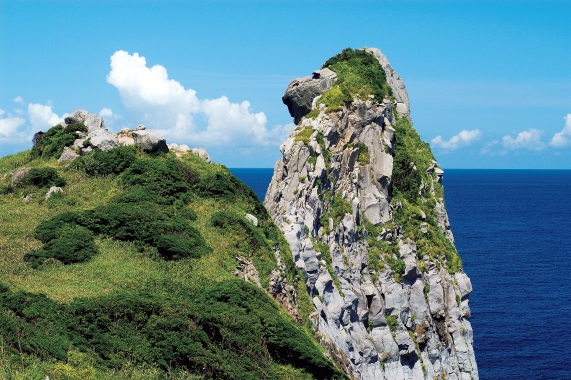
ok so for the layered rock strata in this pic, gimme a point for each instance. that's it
(390, 299)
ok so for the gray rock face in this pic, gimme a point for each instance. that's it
(374, 323)
(150, 141)
(97, 133)
(67, 154)
(300, 93)
(201, 153)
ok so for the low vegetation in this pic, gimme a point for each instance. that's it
(359, 73)
(129, 273)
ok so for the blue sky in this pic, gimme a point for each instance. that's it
(489, 81)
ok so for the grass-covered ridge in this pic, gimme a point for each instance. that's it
(129, 273)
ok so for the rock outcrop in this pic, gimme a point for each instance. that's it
(359, 199)
(95, 135)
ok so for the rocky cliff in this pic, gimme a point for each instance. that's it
(359, 198)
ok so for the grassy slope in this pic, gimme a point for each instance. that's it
(192, 291)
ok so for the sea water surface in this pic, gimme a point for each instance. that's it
(512, 231)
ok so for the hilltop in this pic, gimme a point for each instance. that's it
(123, 258)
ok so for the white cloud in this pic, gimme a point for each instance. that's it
(529, 139)
(18, 99)
(2, 112)
(463, 138)
(164, 104)
(9, 129)
(563, 138)
(42, 117)
(106, 112)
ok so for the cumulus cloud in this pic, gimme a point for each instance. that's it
(464, 138)
(9, 128)
(18, 99)
(563, 138)
(529, 139)
(42, 117)
(18, 127)
(164, 104)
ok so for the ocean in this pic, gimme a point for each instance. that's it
(511, 229)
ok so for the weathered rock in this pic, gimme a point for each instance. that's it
(201, 153)
(53, 190)
(67, 154)
(20, 176)
(103, 139)
(252, 219)
(397, 319)
(300, 93)
(150, 141)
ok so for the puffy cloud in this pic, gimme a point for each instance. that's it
(563, 138)
(18, 99)
(9, 129)
(42, 117)
(106, 112)
(164, 104)
(463, 138)
(529, 139)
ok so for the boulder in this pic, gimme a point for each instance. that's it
(20, 176)
(53, 190)
(150, 141)
(201, 153)
(67, 154)
(103, 139)
(252, 219)
(300, 93)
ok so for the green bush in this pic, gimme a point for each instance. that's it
(226, 330)
(392, 322)
(165, 177)
(51, 143)
(42, 178)
(73, 244)
(339, 208)
(236, 224)
(358, 72)
(363, 156)
(100, 163)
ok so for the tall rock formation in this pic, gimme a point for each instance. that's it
(359, 199)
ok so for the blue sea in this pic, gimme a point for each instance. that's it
(512, 230)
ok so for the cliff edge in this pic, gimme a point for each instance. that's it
(359, 198)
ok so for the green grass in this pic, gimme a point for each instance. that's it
(58, 335)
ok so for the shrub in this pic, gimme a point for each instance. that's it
(397, 266)
(51, 143)
(363, 156)
(237, 224)
(43, 177)
(334, 99)
(100, 163)
(175, 247)
(73, 244)
(304, 134)
(358, 72)
(339, 208)
(165, 177)
(392, 321)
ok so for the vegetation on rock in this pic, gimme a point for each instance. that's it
(359, 73)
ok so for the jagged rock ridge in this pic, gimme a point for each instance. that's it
(359, 199)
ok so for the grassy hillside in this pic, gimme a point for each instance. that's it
(129, 273)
